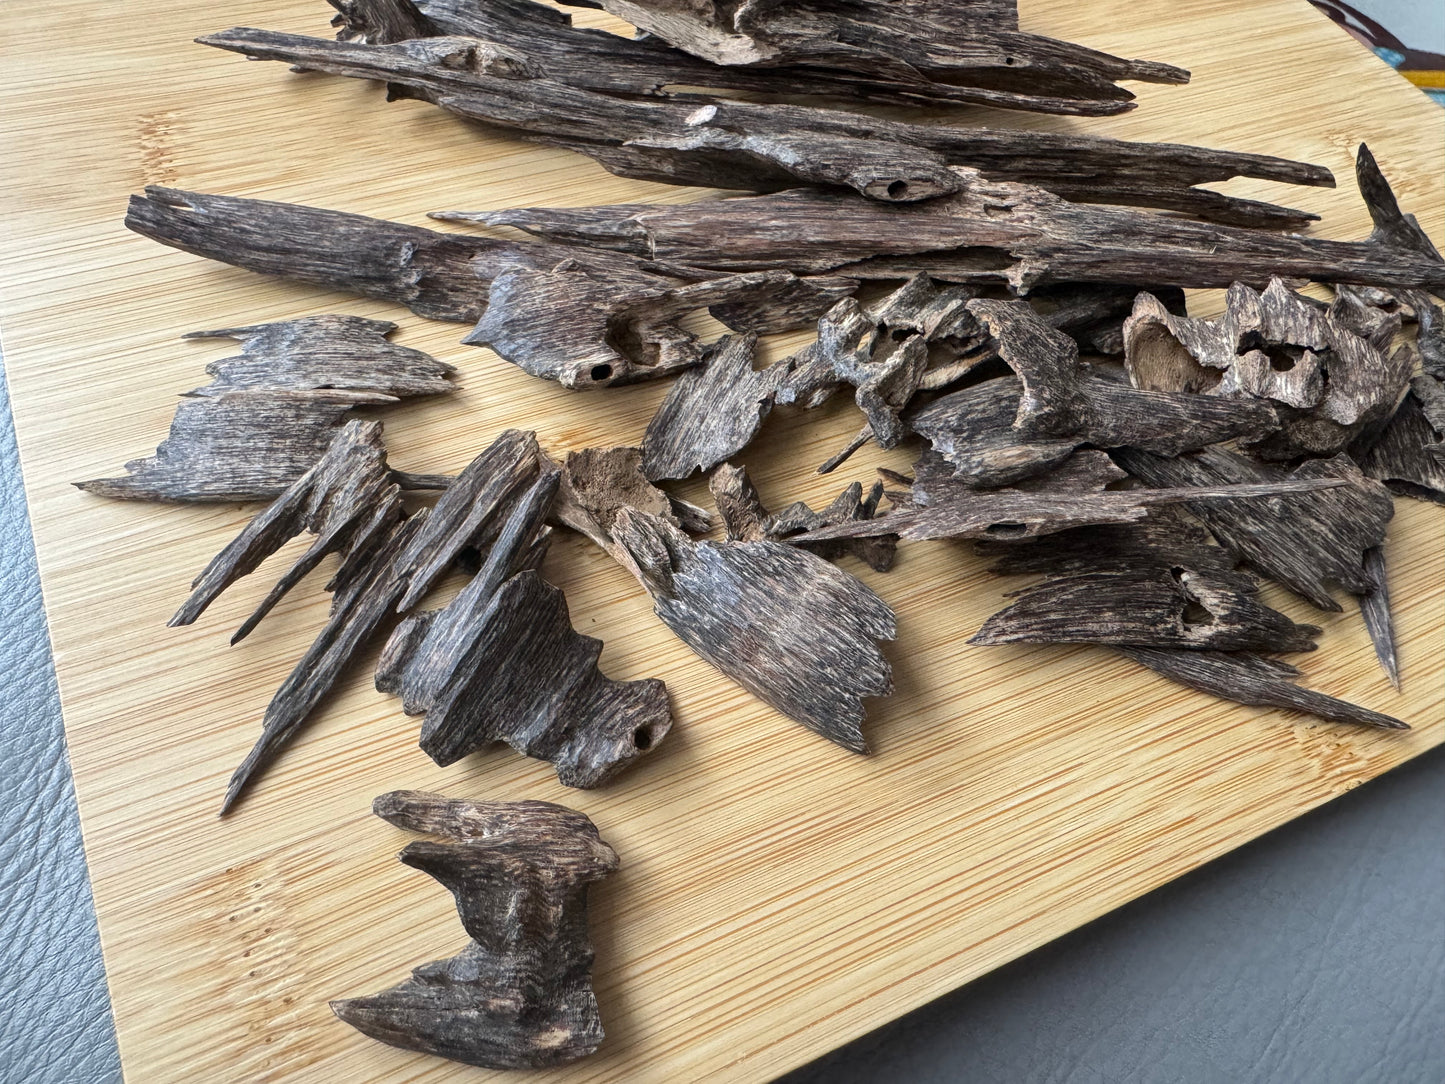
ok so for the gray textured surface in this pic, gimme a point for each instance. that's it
(54, 1009)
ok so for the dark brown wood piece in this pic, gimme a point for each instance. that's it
(271, 412)
(1306, 543)
(1375, 609)
(1170, 607)
(747, 520)
(519, 996)
(1254, 679)
(786, 625)
(724, 143)
(1408, 454)
(936, 52)
(1167, 539)
(989, 232)
(501, 662)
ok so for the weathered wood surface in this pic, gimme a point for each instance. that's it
(778, 895)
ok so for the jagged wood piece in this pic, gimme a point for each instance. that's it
(1408, 454)
(989, 232)
(1306, 543)
(1167, 539)
(353, 507)
(722, 143)
(930, 52)
(598, 483)
(519, 996)
(1379, 620)
(1148, 607)
(502, 662)
(747, 520)
(955, 510)
(999, 432)
(1331, 368)
(711, 412)
(271, 412)
(449, 276)
(786, 625)
(1256, 680)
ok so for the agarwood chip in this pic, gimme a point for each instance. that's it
(1409, 453)
(1375, 609)
(994, 436)
(747, 520)
(989, 232)
(960, 511)
(502, 662)
(470, 511)
(1149, 607)
(271, 412)
(1253, 679)
(711, 412)
(1305, 543)
(1167, 539)
(930, 52)
(519, 996)
(786, 625)
(598, 484)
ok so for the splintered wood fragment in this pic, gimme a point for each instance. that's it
(1255, 680)
(1148, 607)
(583, 328)
(1408, 454)
(960, 511)
(598, 484)
(711, 412)
(994, 435)
(724, 143)
(271, 412)
(1375, 609)
(929, 52)
(1333, 365)
(1306, 543)
(502, 662)
(988, 232)
(519, 996)
(470, 512)
(786, 625)
(747, 520)
(349, 502)
(1167, 539)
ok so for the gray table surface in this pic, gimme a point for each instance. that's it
(1315, 954)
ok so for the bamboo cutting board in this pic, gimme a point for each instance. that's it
(778, 895)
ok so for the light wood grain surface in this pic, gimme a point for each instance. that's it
(778, 895)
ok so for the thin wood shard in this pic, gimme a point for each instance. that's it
(747, 520)
(1308, 543)
(1008, 233)
(519, 996)
(271, 412)
(1148, 607)
(1375, 609)
(786, 625)
(528, 87)
(502, 662)
(927, 52)
(1408, 454)
(1253, 679)
(711, 412)
(1167, 539)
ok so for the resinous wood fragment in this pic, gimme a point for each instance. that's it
(271, 412)
(501, 662)
(995, 434)
(796, 632)
(989, 232)
(1148, 607)
(598, 484)
(711, 412)
(519, 996)
(1375, 609)
(587, 329)
(350, 503)
(1167, 539)
(747, 520)
(1307, 543)
(723, 143)
(1252, 679)
(930, 52)
(1408, 454)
